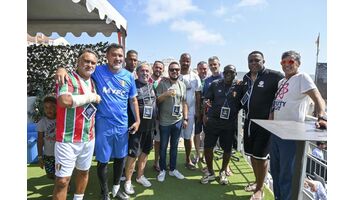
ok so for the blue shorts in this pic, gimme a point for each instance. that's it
(111, 141)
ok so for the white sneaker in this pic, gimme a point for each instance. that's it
(115, 189)
(161, 176)
(144, 181)
(223, 180)
(177, 174)
(128, 187)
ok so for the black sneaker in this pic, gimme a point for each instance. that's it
(106, 197)
(122, 195)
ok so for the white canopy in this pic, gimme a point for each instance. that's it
(75, 16)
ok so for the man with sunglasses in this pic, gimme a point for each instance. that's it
(259, 88)
(291, 103)
(171, 93)
(224, 96)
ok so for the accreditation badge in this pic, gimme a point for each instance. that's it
(147, 112)
(89, 111)
(176, 110)
(224, 113)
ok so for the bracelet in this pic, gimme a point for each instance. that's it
(39, 157)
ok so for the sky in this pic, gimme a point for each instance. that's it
(229, 29)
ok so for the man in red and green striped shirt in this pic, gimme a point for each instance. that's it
(75, 140)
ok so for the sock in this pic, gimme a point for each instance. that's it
(78, 196)
(118, 165)
(102, 175)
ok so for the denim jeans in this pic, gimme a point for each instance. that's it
(282, 161)
(173, 132)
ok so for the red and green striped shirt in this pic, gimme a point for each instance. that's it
(72, 126)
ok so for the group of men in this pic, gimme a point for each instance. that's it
(119, 108)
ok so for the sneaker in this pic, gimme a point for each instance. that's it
(128, 187)
(207, 178)
(177, 174)
(122, 195)
(161, 176)
(144, 181)
(115, 189)
(223, 178)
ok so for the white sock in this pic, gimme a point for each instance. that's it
(78, 196)
(115, 189)
(128, 182)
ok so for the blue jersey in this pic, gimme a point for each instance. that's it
(115, 89)
(208, 82)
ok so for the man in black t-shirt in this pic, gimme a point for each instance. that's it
(223, 96)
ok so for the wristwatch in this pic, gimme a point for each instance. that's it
(322, 117)
(186, 119)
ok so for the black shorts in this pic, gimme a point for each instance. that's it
(140, 142)
(256, 141)
(225, 136)
(198, 127)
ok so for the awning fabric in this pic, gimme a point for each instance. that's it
(75, 16)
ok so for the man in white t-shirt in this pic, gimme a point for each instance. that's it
(291, 101)
(193, 99)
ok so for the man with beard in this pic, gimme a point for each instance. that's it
(131, 61)
(140, 144)
(193, 99)
(158, 69)
(172, 105)
(116, 86)
(224, 96)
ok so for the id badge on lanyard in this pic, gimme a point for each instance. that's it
(147, 112)
(176, 110)
(225, 111)
(89, 111)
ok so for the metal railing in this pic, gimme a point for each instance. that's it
(316, 168)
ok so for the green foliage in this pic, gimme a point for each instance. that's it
(42, 63)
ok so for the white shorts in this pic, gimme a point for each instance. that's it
(157, 131)
(186, 133)
(70, 155)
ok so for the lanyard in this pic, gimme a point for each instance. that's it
(149, 95)
(226, 94)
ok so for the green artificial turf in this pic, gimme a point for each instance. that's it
(40, 187)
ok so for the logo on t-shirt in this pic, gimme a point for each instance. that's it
(113, 91)
(261, 84)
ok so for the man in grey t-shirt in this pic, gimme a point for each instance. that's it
(173, 110)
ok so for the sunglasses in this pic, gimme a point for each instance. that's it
(289, 62)
(172, 70)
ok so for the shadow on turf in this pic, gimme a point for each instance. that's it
(172, 188)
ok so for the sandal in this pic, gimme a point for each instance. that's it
(156, 168)
(229, 172)
(253, 197)
(190, 166)
(250, 187)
